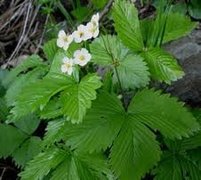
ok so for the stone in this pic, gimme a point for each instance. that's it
(188, 52)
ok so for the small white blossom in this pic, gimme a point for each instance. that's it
(81, 34)
(93, 30)
(95, 20)
(67, 66)
(82, 57)
(64, 40)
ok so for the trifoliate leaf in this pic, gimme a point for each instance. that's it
(162, 66)
(127, 66)
(77, 98)
(127, 24)
(10, 139)
(131, 133)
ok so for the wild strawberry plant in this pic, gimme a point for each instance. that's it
(105, 120)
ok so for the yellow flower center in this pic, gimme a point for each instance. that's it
(68, 65)
(81, 58)
(65, 38)
(81, 34)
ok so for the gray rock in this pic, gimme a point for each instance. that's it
(188, 52)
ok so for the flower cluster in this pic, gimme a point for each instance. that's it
(80, 57)
(83, 33)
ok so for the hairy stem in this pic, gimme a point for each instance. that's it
(114, 62)
(120, 86)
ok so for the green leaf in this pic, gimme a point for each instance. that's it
(2, 90)
(10, 139)
(54, 132)
(130, 134)
(31, 62)
(56, 63)
(3, 74)
(82, 166)
(107, 49)
(52, 110)
(106, 115)
(178, 167)
(134, 151)
(28, 124)
(16, 87)
(4, 111)
(162, 66)
(167, 26)
(194, 8)
(66, 165)
(41, 165)
(127, 24)
(36, 95)
(192, 142)
(99, 3)
(50, 49)
(27, 151)
(195, 155)
(132, 70)
(169, 168)
(180, 8)
(163, 113)
(80, 13)
(77, 98)
(58, 58)
(177, 26)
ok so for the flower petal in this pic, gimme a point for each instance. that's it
(61, 34)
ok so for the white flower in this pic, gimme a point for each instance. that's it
(64, 40)
(82, 57)
(67, 66)
(93, 30)
(81, 34)
(95, 20)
